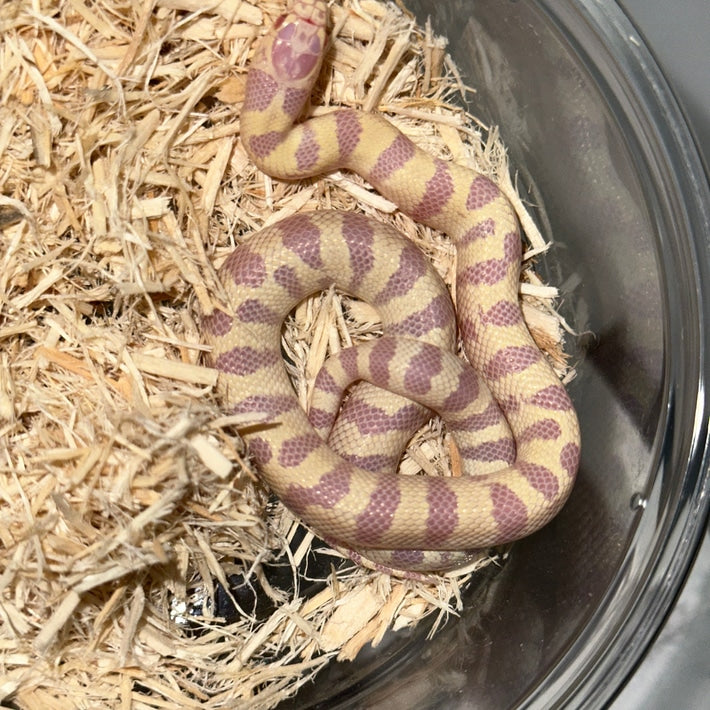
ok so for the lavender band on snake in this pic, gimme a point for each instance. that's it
(513, 421)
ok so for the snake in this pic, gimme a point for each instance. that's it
(335, 467)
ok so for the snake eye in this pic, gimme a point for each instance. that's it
(279, 21)
(315, 44)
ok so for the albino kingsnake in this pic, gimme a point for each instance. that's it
(347, 490)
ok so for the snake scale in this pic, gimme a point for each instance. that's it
(514, 424)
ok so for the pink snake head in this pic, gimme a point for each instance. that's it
(293, 50)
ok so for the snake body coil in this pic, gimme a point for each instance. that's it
(519, 468)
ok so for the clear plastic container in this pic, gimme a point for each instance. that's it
(596, 135)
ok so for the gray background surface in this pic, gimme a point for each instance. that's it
(676, 671)
(678, 34)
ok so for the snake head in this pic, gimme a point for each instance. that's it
(294, 48)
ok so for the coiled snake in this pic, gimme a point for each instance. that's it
(520, 465)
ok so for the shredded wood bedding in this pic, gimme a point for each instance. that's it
(141, 562)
